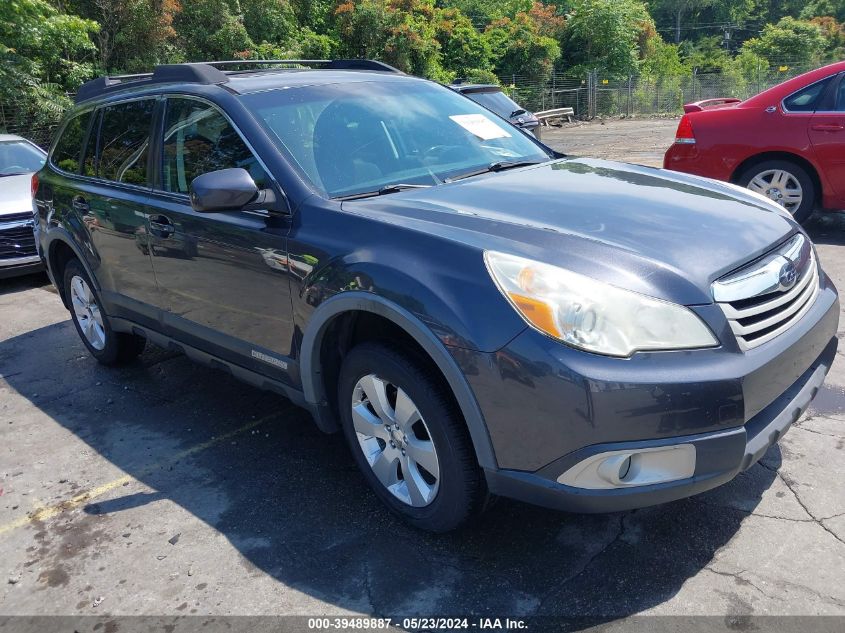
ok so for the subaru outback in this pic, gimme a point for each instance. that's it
(478, 315)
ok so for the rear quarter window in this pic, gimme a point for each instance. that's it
(807, 99)
(66, 155)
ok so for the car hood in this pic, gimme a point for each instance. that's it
(665, 234)
(15, 196)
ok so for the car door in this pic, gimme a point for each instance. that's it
(827, 133)
(110, 199)
(223, 276)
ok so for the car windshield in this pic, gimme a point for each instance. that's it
(19, 157)
(497, 101)
(353, 138)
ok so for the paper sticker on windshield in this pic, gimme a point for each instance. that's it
(480, 126)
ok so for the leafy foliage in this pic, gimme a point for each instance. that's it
(49, 47)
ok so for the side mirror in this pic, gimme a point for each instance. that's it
(222, 190)
(233, 190)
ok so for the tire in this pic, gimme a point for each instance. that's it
(92, 323)
(764, 177)
(437, 502)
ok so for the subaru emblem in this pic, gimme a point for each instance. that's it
(787, 275)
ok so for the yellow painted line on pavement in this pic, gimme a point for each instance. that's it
(47, 512)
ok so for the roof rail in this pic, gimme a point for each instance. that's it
(166, 73)
(216, 72)
(320, 64)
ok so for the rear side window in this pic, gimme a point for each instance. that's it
(68, 150)
(123, 143)
(198, 139)
(807, 99)
(840, 95)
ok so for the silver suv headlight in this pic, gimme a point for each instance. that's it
(592, 315)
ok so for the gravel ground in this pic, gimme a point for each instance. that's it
(166, 488)
(642, 141)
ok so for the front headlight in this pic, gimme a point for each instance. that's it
(592, 315)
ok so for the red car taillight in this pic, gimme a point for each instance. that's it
(685, 134)
(33, 187)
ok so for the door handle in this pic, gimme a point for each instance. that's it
(80, 204)
(162, 226)
(828, 127)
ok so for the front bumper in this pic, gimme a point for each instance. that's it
(548, 407)
(17, 266)
(720, 456)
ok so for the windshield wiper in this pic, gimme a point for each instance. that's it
(394, 188)
(493, 167)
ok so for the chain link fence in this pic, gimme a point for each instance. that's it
(36, 122)
(589, 95)
(593, 96)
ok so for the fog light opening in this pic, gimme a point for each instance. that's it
(625, 469)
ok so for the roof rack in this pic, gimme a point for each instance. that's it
(317, 64)
(217, 72)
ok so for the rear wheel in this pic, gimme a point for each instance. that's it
(785, 183)
(409, 439)
(92, 324)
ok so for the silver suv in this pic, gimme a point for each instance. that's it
(19, 159)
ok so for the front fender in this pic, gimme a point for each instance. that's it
(311, 370)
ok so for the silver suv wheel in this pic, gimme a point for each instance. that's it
(395, 441)
(87, 312)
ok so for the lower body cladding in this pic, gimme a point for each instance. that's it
(585, 433)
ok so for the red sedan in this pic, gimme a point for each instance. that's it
(787, 143)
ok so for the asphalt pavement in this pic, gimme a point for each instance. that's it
(167, 488)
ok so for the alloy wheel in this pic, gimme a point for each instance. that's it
(779, 186)
(395, 441)
(88, 313)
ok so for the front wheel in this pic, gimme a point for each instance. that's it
(785, 183)
(92, 324)
(409, 438)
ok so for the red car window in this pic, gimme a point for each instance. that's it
(806, 99)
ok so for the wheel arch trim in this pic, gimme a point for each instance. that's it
(58, 235)
(356, 301)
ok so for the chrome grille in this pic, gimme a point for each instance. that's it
(16, 236)
(765, 299)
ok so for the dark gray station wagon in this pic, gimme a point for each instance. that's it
(477, 314)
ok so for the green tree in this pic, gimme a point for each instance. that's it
(822, 8)
(483, 12)
(209, 29)
(518, 48)
(134, 34)
(661, 59)
(399, 32)
(707, 55)
(464, 50)
(51, 47)
(316, 15)
(43, 55)
(833, 33)
(270, 21)
(678, 10)
(789, 41)
(604, 35)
